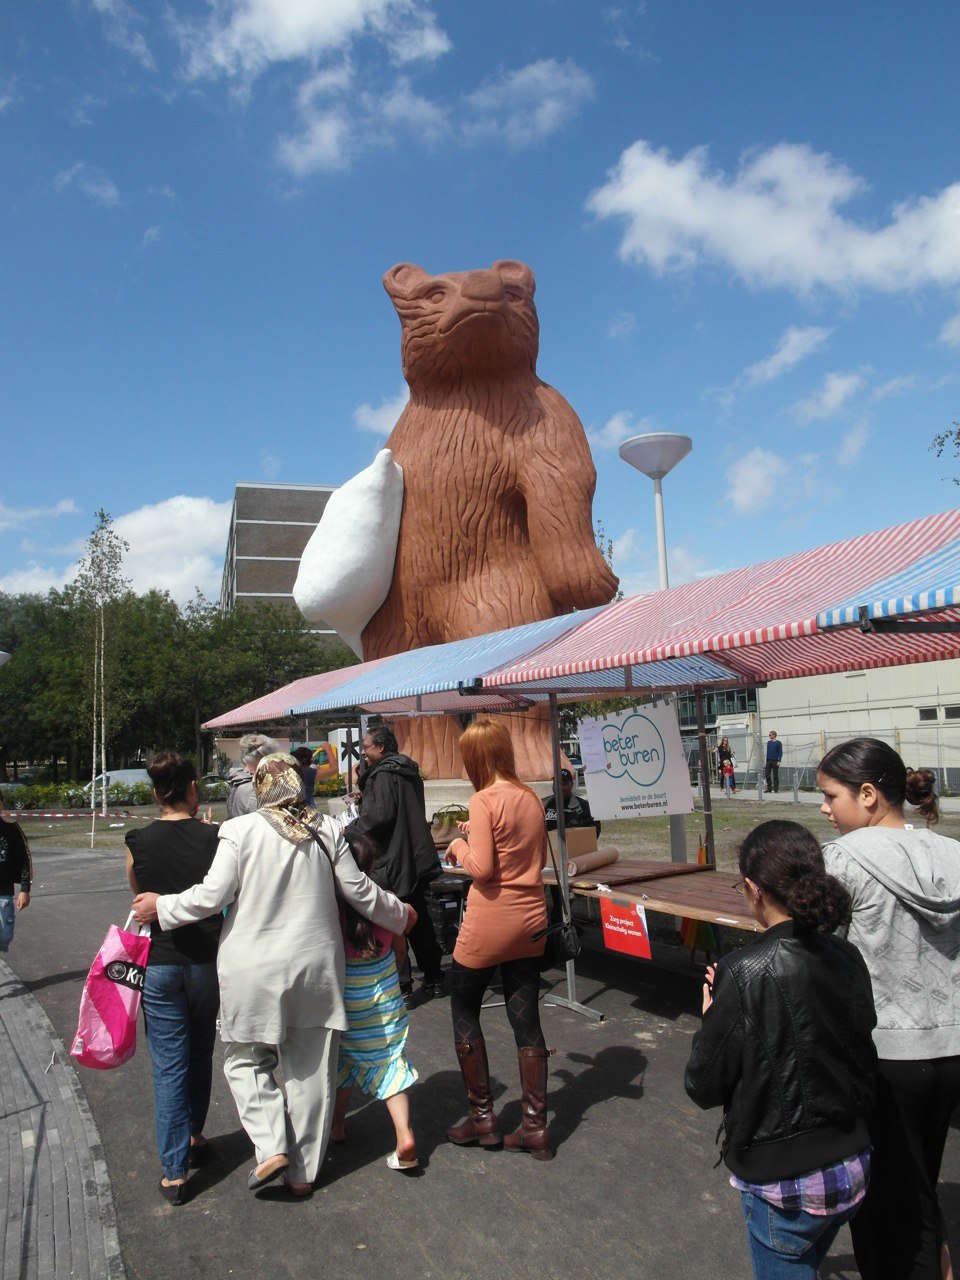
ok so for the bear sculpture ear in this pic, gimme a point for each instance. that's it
(517, 273)
(401, 280)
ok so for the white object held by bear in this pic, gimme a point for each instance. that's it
(347, 566)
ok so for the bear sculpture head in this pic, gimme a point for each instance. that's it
(465, 325)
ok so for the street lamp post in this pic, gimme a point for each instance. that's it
(656, 455)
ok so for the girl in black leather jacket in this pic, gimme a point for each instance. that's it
(786, 1049)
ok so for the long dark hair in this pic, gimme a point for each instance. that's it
(359, 932)
(171, 775)
(869, 760)
(785, 859)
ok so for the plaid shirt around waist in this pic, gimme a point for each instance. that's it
(821, 1192)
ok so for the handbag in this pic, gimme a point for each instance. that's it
(563, 937)
(107, 1028)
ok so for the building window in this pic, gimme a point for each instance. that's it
(951, 713)
(927, 713)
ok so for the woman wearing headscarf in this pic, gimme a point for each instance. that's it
(281, 965)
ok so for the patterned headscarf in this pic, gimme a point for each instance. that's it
(281, 799)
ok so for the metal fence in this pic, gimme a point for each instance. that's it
(933, 746)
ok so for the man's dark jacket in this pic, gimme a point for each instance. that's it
(392, 815)
(786, 1050)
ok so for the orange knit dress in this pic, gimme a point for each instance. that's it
(505, 855)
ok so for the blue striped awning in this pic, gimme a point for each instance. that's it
(429, 679)
(928, 585)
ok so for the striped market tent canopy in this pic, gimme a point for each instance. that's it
(274, 706)
(795, 616)
(769, 621)
(428, 680)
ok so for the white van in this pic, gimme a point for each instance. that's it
(128, 778)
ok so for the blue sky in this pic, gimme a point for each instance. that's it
(744, 221)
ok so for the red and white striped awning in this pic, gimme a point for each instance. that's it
(786, 618)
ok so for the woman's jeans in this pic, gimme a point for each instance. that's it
(180, 1006)
(8, 918)
(788, 1245)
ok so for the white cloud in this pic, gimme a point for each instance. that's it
(245, 37)
(91, 180)
(176, 546)
(795, 345)
(321, 146)
(777, 222)
(270, 465)
(383, 419)
(150, 236)
(895, 386)
(119, 24)
(622, 325)
(950, 333)
(836, 390)
(19, 518)
(35, 579)
(851, 445)
(619, 428)
(755, 480)
(523, 107)
(8, 93)
(335, 127)
(635, 564)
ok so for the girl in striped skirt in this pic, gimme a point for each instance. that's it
(372, 1050)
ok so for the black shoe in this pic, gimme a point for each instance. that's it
(407, 996)
(435, 990)
(177, 1194)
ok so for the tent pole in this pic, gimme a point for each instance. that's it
(705, 778)
(570, 1001)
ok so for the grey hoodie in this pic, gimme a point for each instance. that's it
(905, 886)
(241, 797)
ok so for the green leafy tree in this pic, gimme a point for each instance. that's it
(948, 440)
(100, 582)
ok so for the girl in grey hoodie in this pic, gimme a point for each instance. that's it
(905, 886)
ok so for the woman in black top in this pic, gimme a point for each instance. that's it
(181, 996)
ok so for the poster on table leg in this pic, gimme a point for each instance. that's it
(634, 766)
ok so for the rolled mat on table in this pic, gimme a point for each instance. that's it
(590, 861)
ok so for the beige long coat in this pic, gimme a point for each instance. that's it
(281, 960)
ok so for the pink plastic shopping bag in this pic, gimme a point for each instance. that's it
(107, 1032)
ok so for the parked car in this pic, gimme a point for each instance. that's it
(125, 777)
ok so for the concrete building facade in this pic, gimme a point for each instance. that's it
(269, 527)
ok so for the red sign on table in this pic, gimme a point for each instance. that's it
(625, 927)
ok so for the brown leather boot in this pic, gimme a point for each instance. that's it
(532, 1135)
(480, 1125)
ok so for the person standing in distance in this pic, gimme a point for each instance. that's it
(16, 867)
(774, 756)
(393, 815)
(241, 797)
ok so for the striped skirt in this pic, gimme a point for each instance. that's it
(371, 1051)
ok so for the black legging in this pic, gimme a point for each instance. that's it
(422, 940)
(521, 991)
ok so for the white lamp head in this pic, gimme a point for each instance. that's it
(657, 453)
(4, 657)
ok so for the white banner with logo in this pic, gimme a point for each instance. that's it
(634, 763)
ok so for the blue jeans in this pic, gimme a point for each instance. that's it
(180, 1005)
(8, 917)
(787, 1245)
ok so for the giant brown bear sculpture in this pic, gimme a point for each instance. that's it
(498, 485)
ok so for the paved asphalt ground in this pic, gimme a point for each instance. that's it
(632, 1192)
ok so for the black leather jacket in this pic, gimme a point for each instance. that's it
(786, 1050)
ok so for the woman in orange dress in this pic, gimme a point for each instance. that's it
(505, 851)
